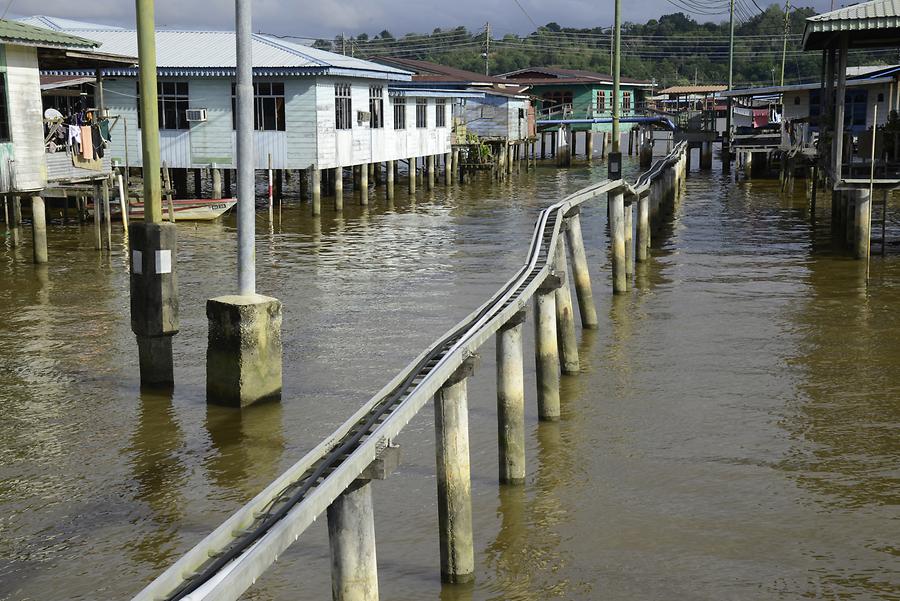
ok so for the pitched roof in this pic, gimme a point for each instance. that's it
(551, 75)
(433, 72)
(212, 53)
(707, 89)
(858, 21)
(22, 34)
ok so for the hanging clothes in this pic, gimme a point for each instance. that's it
(74, 138)
(104, 130)
(97, 141)
(87, 148)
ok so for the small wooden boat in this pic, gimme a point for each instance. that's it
(202, 209)
(189, 209)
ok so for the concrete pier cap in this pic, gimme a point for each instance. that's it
(244, 354)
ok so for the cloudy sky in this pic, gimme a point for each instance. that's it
(325, 18)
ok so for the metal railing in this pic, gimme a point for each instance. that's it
(230, 559)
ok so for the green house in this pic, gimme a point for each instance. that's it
(578, 94)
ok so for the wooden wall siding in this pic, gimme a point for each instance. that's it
(265, 143)
(175, 148)
(362, 144)
(61, 169)
(211, 141)
(121, 99)
(300, 122)
(496, 117)
(26, 115)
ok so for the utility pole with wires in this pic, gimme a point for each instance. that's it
(787, 27)
(617, 64)
(487, 48)
(726, 139)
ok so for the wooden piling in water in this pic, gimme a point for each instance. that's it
(448, 168)
(546, 349)
(389, 175)
(412, 175)
(337, 175)
(98, 216)
(454, 485)
(429, 167)
(580, 272)
(567, 337)
(107, 214)
(39, 229)
(363, 185)
(511, 400)
(216, 183)
(315, 182)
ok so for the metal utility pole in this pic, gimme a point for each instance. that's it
(154, 286)
(146, 34)
(245, 159)
(726, 140)
(617, 64)
(787, 26)
(487, 48)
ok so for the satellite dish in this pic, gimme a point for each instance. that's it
(52, 114)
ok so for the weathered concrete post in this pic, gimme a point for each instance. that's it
(451, 427)
(642, 243)
(655, 198)
(429, 167)
(98, 217)
(546, 349)
(216, 182)
(455, 170)
(448, 168)
(567, 337)
(511, 400)
(363, 185)
(580, 272)
(338, 177)
(617, 241)
(389, 190)
(315, 182)
(39, 229)
(412, 175)
(351, 536)
(862, 223)
(629, 241)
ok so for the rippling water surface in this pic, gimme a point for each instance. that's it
(733, 435)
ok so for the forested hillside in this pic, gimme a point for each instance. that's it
(674, 49)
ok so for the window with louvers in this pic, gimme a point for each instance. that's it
(399, 112)
(421, 112)
(376, 106)
(343, 106)
(440, 112)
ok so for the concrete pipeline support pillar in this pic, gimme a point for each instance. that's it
(351, 537)
(862, 223)
(629, 241)
(412, 175)
(363, 185)
(429, 167)
(642, 244)
(617, 241)
(580, 272)
(567, 337)
(39, 229)
(389, 189)
(337, 175)
(451, 427)
(511, 400)
(546, 349)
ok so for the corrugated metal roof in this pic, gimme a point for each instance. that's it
(768, 90)
(201, 53)
(694, 89)
(857, 19)
(14, 32)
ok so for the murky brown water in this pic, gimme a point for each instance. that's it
(734, 434)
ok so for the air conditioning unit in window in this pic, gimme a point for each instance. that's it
(363, 116)
(195, 115)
